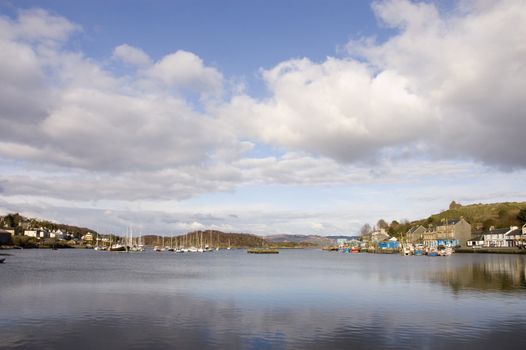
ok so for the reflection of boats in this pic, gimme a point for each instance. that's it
(262, 251)
(445, 252)
(2, 260)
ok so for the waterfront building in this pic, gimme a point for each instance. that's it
(477, 241)
(389, 244)
(503, 237)
(12, 232)
(415, 234)
(37, 233)
(88, 237)
(341, 242)
(449, 232)
(379, 235)
(31, 233)
(58, 234)
(5, 237)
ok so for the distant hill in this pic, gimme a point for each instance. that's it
(343, 237)
(481, 216)
(301, 239)
(211, 238)
(20, 223)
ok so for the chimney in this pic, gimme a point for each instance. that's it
(491, 228)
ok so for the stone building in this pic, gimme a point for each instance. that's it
(415, 234)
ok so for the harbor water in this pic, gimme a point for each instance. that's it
(297, 299)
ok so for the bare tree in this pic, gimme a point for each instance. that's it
(366, 228)
(382, 224)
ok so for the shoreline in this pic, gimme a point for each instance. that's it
(490, 251)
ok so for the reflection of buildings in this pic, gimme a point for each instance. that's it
(447, 233)
(495, 273)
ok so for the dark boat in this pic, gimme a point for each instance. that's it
(2, 260)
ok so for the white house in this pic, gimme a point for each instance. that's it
(58, 234)
(379, 235)
(38, 233)
(31, 233)
(515, 237)
(503, 237)
(12, 232)
(476, 242)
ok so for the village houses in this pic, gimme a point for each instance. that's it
(447, 233)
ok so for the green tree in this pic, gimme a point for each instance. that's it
(522, 215)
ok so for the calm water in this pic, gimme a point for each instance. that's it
(230, 299)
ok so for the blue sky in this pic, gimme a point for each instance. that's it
(259, 116)
(238, 36)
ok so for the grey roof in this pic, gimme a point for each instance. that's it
(496, 231)
(514, 232)
(414, 228)
(478, 238)
(449, 222)
(411, 230)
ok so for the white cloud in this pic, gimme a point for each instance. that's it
(186, 71)
(40, 25)
(131, 55)
(451, 85)
(60, 107)
(336, 109)
(446, 93)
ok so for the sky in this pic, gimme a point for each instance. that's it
(267, 117)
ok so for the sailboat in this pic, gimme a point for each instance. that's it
(116, 247)
(200, 250)
(156, 248)
(97, 239)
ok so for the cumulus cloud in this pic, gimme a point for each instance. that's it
(131, 55)
(60, 107)
(444, 86)
(336, 109)
(450, 85)
(25, 94)
(186, 71)
(39, 25)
